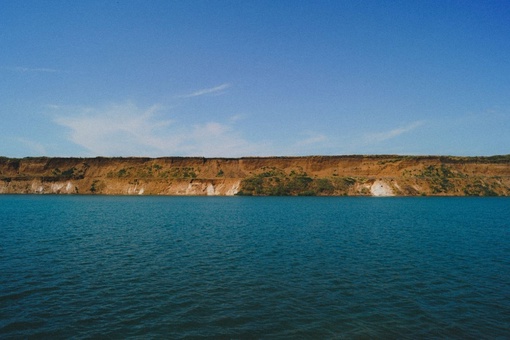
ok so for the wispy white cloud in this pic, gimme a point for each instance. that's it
(213, 90)
(113, 130)
(34, 70)
(236, 118)
(307, 144)
(127, 130)
(383, 136)
(220, 139)
(36, 147)
(313, 138)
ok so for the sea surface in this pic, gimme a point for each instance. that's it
(85, 267)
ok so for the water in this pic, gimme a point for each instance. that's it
(247, 268)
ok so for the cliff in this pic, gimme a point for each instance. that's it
(315, 175)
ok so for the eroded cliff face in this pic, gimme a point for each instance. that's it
(317, 175)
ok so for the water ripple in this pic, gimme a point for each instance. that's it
(251, 268)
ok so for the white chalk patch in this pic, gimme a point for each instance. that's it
(69, 187)
(381, 188)
(210, 190)
(234, 189)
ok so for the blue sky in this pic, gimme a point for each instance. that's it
(254, 78)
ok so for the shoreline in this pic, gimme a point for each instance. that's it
(350, 175)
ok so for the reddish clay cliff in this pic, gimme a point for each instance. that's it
(313, 175)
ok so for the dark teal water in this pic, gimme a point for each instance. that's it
(246, 267)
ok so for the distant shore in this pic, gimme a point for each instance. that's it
(351, 175)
